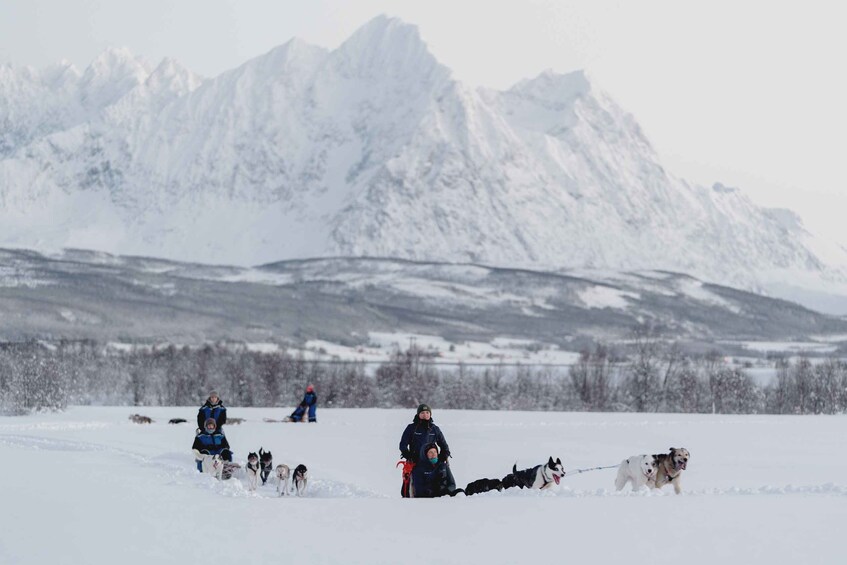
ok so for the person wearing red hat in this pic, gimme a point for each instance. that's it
(310, 402)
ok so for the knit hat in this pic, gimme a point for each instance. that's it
(310, 388)
(210, 421)
(214, 393)
(431, 446)
(424, 408)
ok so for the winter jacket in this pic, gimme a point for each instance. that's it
(209, 410)
(309, 399)
(431, 481)
(418, 435)
(214, 443)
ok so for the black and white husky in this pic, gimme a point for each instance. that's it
(266, 461)
(538, 477)
(301, 477)
(252, 470)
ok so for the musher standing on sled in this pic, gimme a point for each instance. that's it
(416, 437)
(213, 408)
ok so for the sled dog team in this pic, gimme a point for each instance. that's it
(213, 455)
(260, 466)
(426, 469)
(427, 474)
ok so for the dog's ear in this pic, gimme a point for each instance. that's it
(672, 449)
(551, 462)
(558, 460)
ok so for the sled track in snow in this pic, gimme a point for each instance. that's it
(178, 468)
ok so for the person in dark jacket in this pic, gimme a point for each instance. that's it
(310, 402)
(211, 441)
(213, 408)
(431, 476)
(418, 435)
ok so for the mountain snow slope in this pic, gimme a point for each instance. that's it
(99, 486)
(371, 149)
(80, 294)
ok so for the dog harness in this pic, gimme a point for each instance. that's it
(544, 477)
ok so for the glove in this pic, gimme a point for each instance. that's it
(443, 456)
(408, 456)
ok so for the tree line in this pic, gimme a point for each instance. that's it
(648, 376)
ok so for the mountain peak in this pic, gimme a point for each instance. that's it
(112, 74)
(553, 86)
(173, 77)
(386, 46)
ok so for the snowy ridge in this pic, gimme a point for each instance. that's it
(48, 297)
(372, 149)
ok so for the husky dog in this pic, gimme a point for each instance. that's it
(301, 476)
(639, 470)
(252, 471)
(212, 464)
(482, 485)
(538, 477)
(267, 463)
(282, 474)
(669, 467)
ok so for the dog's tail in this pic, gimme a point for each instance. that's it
(515, 468)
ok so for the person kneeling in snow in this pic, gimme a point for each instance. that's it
(431, 477)
(310, 402)
(210, 441)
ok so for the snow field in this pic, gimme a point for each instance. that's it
(88, 486)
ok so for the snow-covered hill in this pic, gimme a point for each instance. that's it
(371, 149)
(347, 300)
(88, 486)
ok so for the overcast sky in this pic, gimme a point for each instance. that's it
(749, 93)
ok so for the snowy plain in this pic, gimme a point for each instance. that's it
(88, 486)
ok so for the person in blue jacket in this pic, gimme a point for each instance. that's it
(418, 435)
(213, 408)
(310, 402)
(431, 476)
(211, 441)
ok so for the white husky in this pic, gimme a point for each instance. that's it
(282, 474)
(252, 471)
(640, 470)
(211, 464)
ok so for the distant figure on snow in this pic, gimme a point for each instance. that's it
(213, 408)
(310, 401)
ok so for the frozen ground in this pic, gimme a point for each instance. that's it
(88, 486)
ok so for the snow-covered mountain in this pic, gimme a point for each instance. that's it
(370, 149)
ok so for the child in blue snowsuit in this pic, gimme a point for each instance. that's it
(212, 442)
(310, 401)
(431, 476)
